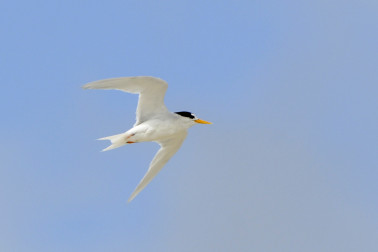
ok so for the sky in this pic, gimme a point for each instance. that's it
(289, 163)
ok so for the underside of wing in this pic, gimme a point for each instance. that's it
(168, 149)
(151, 92)
(135, 84)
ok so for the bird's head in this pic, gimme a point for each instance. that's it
(191, 118)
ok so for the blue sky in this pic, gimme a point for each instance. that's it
(290, 163)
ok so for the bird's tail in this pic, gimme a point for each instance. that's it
(116, 140)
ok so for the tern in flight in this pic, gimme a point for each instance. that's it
(154, 122)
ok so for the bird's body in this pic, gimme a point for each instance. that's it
(154, 121)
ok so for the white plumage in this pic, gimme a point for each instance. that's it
(153, 121)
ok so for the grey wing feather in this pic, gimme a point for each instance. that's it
(151, 92)
(168, 149)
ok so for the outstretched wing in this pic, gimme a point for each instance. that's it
(151, 92)
(168, 148)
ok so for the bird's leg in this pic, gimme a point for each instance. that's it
(130, 142)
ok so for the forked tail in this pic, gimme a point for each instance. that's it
(116, 140)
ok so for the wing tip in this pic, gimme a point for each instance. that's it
(137, 190)
(87, 86)
(133, 195)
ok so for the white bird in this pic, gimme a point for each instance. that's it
(153, 121)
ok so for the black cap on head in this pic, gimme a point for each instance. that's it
(185, 114)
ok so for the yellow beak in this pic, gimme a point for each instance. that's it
(202, 121)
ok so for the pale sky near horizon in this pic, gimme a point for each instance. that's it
(290, 163)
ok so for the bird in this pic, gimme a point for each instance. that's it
(154, 122)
